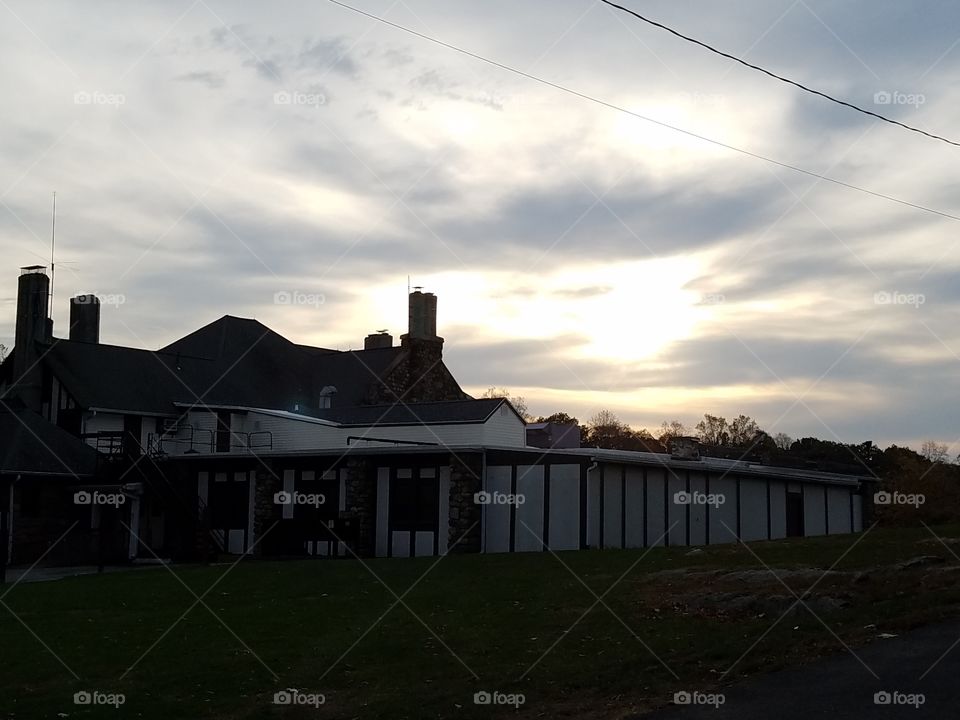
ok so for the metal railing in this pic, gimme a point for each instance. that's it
(205, 440)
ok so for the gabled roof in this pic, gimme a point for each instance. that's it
(232, 361)
(33, 446)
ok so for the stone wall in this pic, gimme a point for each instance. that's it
(265, 511)
(420, 375)
(465, 514)
(360, 487)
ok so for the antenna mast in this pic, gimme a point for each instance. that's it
(53, 240)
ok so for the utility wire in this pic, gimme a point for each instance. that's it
(619, 108)
(775, 76)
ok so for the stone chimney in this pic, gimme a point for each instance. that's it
(419, 375)
(423, 316)
(377, 340)
(33, 326)
(85, 318)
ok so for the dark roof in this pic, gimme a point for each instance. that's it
(232, 361)
(448, 411)
(33, 445)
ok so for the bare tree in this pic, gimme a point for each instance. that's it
(672, 429)
(604, 418)
(743, 431)
(519, 402)
(783, 441)
(934, 452)
(713, 430)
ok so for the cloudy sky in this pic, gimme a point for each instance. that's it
(209, 155)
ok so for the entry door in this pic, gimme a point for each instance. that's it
(794, 514)
(414, 523)
(230, 509)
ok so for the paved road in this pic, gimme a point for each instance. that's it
(840, 688)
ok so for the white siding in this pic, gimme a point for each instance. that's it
(753, 509)
(497, 517)
(593, 507)
(401, 544)
(698, 513)
(635, 507)
(656, 492)
(423, 543)
(101, 422)
(839, 510)
(612, 504)
(677, 514)
(504, 428)
(857, 513)
(443, 435)
(723, 518)
(529, 520)
(564, 507)
(814, 511)
(292, 433)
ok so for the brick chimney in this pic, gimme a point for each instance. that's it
(85, 318)
(33, 326)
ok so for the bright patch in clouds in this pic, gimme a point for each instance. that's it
(571, 246)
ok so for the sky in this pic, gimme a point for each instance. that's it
(296, 162)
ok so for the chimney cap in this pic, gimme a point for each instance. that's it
(27, 269)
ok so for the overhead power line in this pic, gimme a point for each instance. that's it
(619, 108)
(781, 78)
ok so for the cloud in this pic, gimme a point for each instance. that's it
(212, 80)
(423, 162)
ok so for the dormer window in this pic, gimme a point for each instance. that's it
(326, 397)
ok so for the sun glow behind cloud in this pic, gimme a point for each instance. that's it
(624, 311)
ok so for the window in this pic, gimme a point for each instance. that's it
(415, 500)
(223, 431)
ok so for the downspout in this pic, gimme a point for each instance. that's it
(483, 508)
(587, 514)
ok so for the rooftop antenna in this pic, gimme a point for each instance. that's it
(53, 240)
(408, 284)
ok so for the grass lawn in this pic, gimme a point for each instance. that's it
(675, 621)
